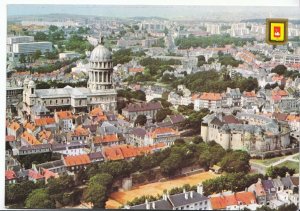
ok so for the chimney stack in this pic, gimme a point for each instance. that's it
(147, 205)
(192, 194)
(287, 174)
(200, 189)
(153, 205)
(186, 195)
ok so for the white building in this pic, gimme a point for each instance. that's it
(31, 47)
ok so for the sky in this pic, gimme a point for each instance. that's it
(87, 7)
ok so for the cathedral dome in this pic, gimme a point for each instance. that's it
(100, 53)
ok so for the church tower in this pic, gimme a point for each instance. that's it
(101, 68)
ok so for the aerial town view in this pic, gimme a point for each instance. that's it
(151, 107)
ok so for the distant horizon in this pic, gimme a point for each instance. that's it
(161, 11)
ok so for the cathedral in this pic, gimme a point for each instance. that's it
(99, 92)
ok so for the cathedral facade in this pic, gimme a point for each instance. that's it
(99, 92)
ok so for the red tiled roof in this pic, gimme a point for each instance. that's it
(163, 130)
(106, 138)
(77, 160)
(221, 202)
(10, 174)
(10, 138)
(29, 138)
(14, 126)
(34, 174)
(64, 114)
(48, 174)
(44, 121)
(127, 151)
(29, 125)
(80, 131)
(211, 96)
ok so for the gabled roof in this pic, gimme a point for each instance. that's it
(138, 132)
(34, 175)
(178, 200)
(10, 174)
(230, 119)
(44, 121)
(64, 114)
(14, 126)
(295, 180)
(77, 160)
(159, 205)
(211, 96)
(29, 125)
(177, 118)
(31, 139)
(105, 138)
(80, 131)
(10, 138)
(222, 201)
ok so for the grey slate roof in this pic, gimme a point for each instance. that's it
(286, 181)
(277, 182)
(268, 185)
(51, 164)
(159, 205)
(178, 200)
(37, 146)
(138, 132)
(96, 155)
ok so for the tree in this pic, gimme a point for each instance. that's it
(17, 193)
(290, 207)
(179, 141)
(140, 95)
(96, 194)
(52, 28)
(39, 199)
(236, 161)
(162, 114)
(22, 58)
(40, 36)
(171, 165)
(201, 60)
(140, 120)
(279, 171)
(59, 185)
(197, 140)
(37, 54)
(279, 69)
(102, 179)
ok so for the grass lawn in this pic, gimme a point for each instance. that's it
(268, 161)
(290, 164)
(296, 157)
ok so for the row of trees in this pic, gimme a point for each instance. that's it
(212, 81)
(214, 40)
(59, 84)
(47, 68)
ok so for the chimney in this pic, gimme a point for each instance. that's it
(186, 195)
(147, 205)
(278, 177)
(153, 205)
(246, 189)
(269, 178)
(192, 194)
(200, 189)
(287, 174)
